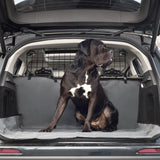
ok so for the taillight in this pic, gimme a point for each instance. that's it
(8, 151)
(149, 150)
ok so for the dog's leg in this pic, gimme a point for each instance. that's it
(107, 121)
(91, 106)
(100, 123)
(79, 117)
(62, 102)
(113, 120)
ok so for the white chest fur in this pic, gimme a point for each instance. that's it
(86, 87)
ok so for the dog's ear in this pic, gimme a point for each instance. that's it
(84, 46)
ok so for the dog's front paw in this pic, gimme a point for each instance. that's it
(49, 129)
(46, 130)
(87, 127)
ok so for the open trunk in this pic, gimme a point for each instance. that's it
(128, 82)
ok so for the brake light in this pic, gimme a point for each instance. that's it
(149, 150)
(9, 151)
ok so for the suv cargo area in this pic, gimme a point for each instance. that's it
(30, 88)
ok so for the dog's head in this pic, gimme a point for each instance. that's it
(96, 50)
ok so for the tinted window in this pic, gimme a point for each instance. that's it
(47, 5)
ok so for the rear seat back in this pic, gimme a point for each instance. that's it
(37, 99)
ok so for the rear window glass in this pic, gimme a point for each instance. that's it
(25, 6)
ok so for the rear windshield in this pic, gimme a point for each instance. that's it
(25, 6)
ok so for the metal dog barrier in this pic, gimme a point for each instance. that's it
(54, 62)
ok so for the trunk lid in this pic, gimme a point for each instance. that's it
(121, 15)
(43, 14)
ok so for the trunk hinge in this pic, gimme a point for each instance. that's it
(3, 47)
(156, 26)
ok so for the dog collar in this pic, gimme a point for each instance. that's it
(99, 70)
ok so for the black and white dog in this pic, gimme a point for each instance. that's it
(81, 84)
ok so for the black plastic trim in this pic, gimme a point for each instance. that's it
(8, 98)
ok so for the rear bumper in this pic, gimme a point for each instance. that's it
(80, 157)
(79, 149)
